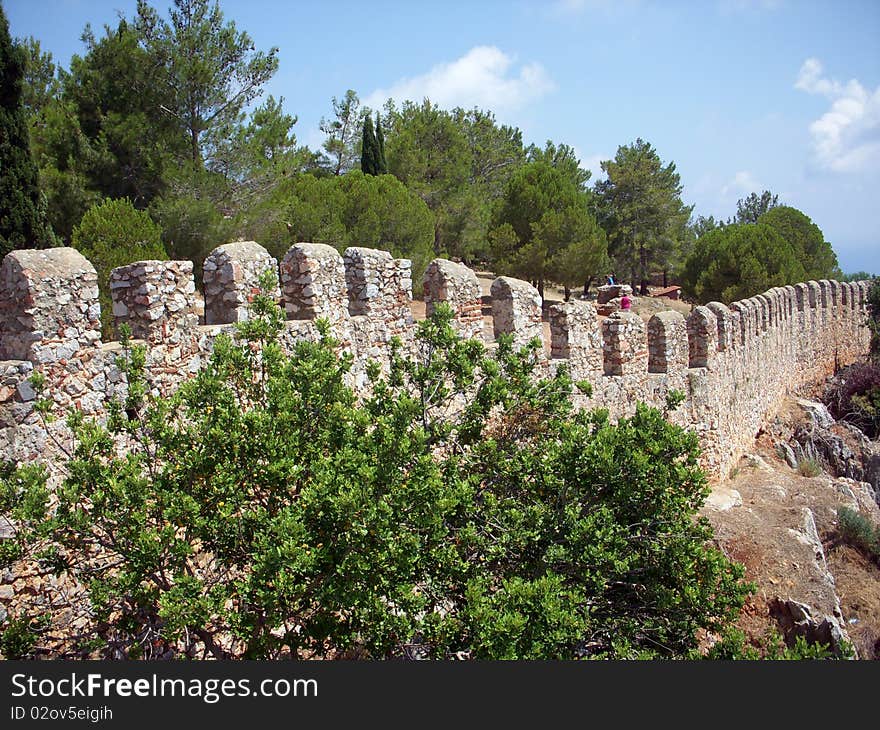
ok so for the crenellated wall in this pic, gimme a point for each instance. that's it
(733, 363)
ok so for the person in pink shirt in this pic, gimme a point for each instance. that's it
(626, 302)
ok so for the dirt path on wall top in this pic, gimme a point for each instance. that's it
(646, 307)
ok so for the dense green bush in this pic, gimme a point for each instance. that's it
(193, 216)
(738, 261)
(263, 511)
(113, 233)
(374, 211)
(806, 240)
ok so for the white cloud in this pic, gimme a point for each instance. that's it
(742, 182)
(846, 138)
(313, 138)
(593, 163)
(485, 77)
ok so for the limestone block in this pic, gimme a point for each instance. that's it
(516, 309)
(575, 334)
(742, 313)
(790, 301)
(625, 344)
(606, 293)
(668, 348)
(802, 296)
(48, 305)
(763, 312)
(457, 285)
(824, 293)
(369, 275)
(814, 292)
(702, 330)
(724, 317)
(231, 279)
(157, 298)
(313, 283)
(834, 288)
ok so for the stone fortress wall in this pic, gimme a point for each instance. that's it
(733, 363)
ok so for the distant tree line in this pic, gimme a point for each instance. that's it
(162, 112)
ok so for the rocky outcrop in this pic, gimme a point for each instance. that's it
(796, 619)
(839, 448)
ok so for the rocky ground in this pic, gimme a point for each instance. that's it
(781, 524)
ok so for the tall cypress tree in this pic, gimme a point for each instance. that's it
(369, 149)
(22, 224)
(380, 139)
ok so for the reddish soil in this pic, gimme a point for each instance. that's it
(766, 533)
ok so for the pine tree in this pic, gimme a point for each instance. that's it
(22, 223)
(369, 149)
(380, 139)
(642, 212)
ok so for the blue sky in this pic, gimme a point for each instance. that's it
(742, 95)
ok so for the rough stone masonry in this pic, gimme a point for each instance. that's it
(733, 363)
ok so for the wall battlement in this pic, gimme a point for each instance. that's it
(733, 363)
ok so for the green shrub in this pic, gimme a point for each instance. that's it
(738, 261)
(263, 511)
(857, 530)
(809, 468)
(375, 211)
(192, 226)
(20, 636)
(854, 396)
(733, 646)
(114, 233)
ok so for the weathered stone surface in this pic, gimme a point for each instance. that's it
(575, 335)
(625, 344)
(7, 529)
(158, 298)
(722, 499)
(48, 305)
(817, 412)
(734, 363)
(457, 285)
(796, 619)
(516, 309)
(725, 320)
(702, 330)
(667, 342)
(313, 283)
(231, 280)
(606, 293)
(379, 296)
